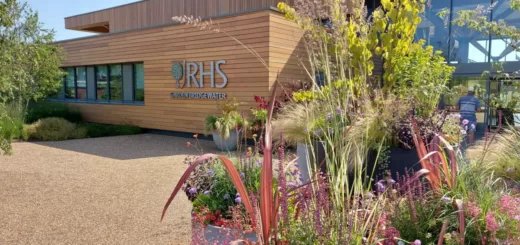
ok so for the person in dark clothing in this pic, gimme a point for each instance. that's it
(468, 106)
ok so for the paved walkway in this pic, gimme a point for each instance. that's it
(94, 191)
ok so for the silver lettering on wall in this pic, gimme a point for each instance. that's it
(223, 85)
(194, 68)
(195, 95)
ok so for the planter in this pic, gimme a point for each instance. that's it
(221, 235)
(305, 159)
(402, 160)
(229, 144)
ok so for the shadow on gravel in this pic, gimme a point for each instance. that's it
(132, 147)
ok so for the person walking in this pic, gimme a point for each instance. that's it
(468, 106)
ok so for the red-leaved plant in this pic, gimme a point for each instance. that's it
(269, 202)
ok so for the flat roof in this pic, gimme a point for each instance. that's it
(171, 24)
(119, 6)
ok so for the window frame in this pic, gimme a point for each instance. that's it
(96, 100)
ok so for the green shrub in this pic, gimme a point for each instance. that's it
(46, 109)
(11, 126)
(55, 129)
(96, 130)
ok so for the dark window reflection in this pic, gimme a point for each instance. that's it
(81, 83)
(102, 82)
(116, 83)
(139, 82)
(70, 85)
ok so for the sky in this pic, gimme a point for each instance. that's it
(53, 12)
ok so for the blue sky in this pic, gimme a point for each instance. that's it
(53, 12)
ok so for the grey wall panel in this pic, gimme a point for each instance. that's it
(91, 83)
(128, 81)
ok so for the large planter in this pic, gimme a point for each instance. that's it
(229, 144)
(220, 235)
(400, 161)
(306, 160)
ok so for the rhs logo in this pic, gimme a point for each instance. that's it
(189, 71)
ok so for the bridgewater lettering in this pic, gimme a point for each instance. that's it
(196, 95)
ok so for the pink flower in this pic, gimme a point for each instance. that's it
(510, 205)
(491, 222)
(465, 122)
(416, 242)
(473, 209)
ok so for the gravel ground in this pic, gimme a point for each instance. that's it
(95, 191)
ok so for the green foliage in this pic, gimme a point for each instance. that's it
(230, 119)
(222, 193)
(500, 155)
(29, 61)
(304, 96)
(11, 126)
(55, 129)
(259, 118)
(45, 109)
(420, 76)
(96, 130)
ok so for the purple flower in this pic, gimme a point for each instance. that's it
(259, 163)
(207, 193)
(238, 200)
(339, 111)
(291, 184)
(329, 117)
(509, 170)
(242, 175)
(226, 197)
(318, 132)
(192, 190)
(380, 187)
(210, 172)
(331, 131)
(417, 242)
(391, 181)
(446, 199)
(238, 195)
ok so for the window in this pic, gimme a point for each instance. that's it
(81, 83)
(501, 47)
(467, 45)
(116, 83)
(101, 82)
(70, 84)
(139, 82)
(112, 83)
(433, 28)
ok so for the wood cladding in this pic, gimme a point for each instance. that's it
(158, 12)
(272, 37)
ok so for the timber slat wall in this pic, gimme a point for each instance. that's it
(157, 12)
(158, 48)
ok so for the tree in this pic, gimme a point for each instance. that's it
(29, 66)
(29, 62)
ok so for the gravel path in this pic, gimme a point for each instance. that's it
(94, 191)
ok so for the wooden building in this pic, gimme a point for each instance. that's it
(127, 74)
